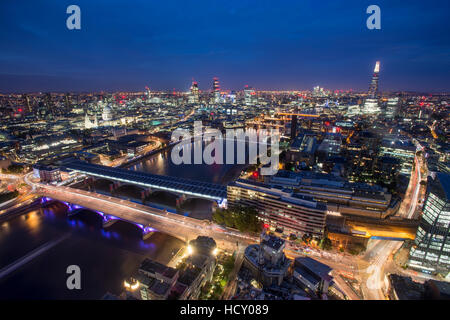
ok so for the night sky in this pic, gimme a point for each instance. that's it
(276, 44)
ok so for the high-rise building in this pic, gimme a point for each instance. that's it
(431, 250)
(249, 96)
(373, 88)
(147, 93)
(194, 96)
(371, 104)
(216, 90)
(27, 102)
(293, 127)
(318, 91)
(68, 102)
(392, 108)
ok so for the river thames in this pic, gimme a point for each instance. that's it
(106, 257)
(37, 247)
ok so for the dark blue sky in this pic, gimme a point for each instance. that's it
(276, 44)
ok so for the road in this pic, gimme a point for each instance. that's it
(17, 202)
(173, 224)
(408, 208)
(373, 278)
(369, 270)
(230, 289)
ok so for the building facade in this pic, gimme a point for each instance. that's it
(431, 250)
(279, 208)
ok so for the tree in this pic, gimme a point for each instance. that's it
(15, 168)
(325, 244)
(246, 219)
(356, 249)
(229, 219)
(218, 216)
(228, 265)
(306, 238)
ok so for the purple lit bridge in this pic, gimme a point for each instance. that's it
(107, 219)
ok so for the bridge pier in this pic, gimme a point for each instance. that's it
(114, 186)
(147, 232)
(180, 200)
(71, 210)
(108, 220)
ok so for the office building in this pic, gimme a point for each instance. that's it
(399, 148)
(199, 267)
(329, 147)
(302, 150)
(392, 108)
(312, 274)
(216, 90)
(338, 195)
(279, 208)
(267, 261)
(194, 95)
(249, 96)
(431, 250)
(404, 288)
(47, 173)
(154, 281)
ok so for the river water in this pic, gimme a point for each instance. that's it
(106, 258)
(162, 164)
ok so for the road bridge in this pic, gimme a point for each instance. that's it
(149, 219)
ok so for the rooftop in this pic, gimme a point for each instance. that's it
(318, 268)
(272, 241)
(155, 267)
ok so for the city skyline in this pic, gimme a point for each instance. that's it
(242, 154)
(288, 47)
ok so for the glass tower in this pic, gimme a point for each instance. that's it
(431, 250)
(371, 104)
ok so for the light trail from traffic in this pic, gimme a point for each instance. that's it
(162, 220)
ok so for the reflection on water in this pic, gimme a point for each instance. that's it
(106, 256)
(162, 164)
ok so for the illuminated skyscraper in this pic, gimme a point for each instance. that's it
(373, 88)
(147, 93)
(194, 96)
(392, 107)
(431, 250)
(216, 90)
(249, 96)
(371, 106)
